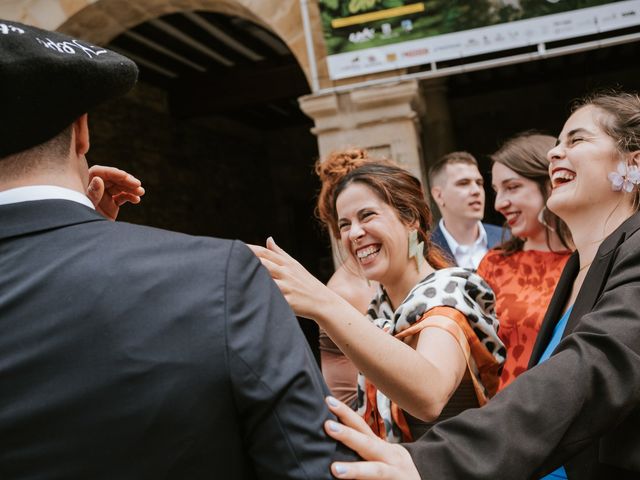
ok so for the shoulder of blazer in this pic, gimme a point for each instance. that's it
(25, 218)
(494, 234)
(437, 238)
(598, 273)
(624, 231)
(436, 233)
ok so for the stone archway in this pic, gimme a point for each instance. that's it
(204, 175)
(100, 21)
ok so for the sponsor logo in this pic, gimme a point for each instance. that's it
(416, 53)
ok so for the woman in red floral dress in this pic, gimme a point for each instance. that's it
(523, 271)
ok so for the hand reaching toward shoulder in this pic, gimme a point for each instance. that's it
(109, 188)
(304, 292)
(382, 460)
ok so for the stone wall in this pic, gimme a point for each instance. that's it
(199, 179)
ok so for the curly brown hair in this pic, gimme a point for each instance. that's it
(392, 183)
(331, 171)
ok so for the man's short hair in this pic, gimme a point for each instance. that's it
(450, 159)
(51, 154)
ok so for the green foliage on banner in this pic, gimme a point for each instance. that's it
(438, 17)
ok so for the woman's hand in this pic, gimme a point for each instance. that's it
(109, 188)
(304, 293)
(383, 461)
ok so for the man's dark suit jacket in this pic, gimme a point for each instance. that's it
(494, 238)
(128, 352)
(580, 408)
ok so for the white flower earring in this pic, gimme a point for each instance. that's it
(626, 177)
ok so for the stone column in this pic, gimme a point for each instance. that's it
(438, 138)
(384, 119)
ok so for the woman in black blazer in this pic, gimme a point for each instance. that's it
(576, 411)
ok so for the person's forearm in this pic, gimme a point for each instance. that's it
(404, 375)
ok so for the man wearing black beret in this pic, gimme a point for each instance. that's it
(128, 352)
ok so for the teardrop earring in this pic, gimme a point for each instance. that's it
(543, 221)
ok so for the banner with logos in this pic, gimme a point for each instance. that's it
(368, 36)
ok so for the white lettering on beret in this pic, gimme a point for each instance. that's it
(70, 47)
(7, 29)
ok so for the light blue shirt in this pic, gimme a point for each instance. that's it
(560, 473)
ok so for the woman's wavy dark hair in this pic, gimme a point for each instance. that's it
(331, 171)
(400, 190)
(526, 154)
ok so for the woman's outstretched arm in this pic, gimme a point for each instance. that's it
(420, 381)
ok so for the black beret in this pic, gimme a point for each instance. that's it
(48, 80)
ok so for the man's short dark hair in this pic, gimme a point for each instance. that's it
(49, 154)
(450, 159)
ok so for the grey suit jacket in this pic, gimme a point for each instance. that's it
(128, 352)
(580, 408)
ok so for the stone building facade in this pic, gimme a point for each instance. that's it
(219, 175)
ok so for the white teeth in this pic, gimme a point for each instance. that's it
(562, 176)
(365, 252)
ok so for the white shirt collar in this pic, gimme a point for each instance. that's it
(467, 256)
(42, 192)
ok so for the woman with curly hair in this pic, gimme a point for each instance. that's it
(347, 281)
(428, 347)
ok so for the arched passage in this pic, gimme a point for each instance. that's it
(221, 151)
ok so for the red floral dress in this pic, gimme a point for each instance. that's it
(523, 283)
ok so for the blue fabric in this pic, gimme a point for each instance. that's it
(560, 473)
(494, 234)
(437, 238)
(557, 336)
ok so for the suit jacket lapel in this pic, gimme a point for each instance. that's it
(40, 215)
(595, 280)
(437, 237)
(494, 235)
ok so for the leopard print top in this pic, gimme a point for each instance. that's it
(453, 287)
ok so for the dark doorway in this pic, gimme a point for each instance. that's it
(214, 131)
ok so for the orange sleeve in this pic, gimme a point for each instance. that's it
(482, 365)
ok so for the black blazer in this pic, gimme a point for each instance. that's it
(580, 408)
(128, 352)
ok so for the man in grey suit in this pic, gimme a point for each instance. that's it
(128, 352)
(458, 189)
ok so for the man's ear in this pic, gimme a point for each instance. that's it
(436, 193)
(81, 135)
